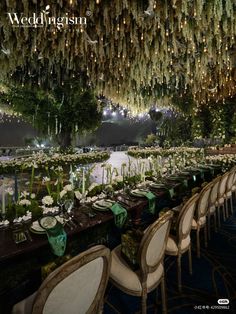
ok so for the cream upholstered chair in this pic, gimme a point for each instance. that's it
(150, 259)
(234, 182)
(212, 204)
(200, 216)
(78, 286)
(181, 243)
(229, 191)
(220, 202)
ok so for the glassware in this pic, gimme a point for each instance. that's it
(60, 203)
(68, 205)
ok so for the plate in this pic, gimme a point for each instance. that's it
(48, 222)
(103, 205)
(157, 185)
(36, 228)
(140, 193)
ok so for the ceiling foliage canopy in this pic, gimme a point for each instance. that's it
(133, 52)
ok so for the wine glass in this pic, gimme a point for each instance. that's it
(60, 203)
(69, 204)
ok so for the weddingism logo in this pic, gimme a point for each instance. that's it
(43, 19)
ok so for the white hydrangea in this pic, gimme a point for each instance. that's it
(25, 202)
(47, 200)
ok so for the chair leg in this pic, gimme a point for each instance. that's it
(190, 260)
(205, 234)
(179, 272)
(163, 296)
(198, 242)
(226, 208)
(223, 209)
(215, 222)
(209, 226)
(231, 205)
(218, 214)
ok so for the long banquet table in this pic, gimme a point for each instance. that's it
(21, 264)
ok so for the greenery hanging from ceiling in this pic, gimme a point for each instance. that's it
(217, 121)
(134, 52)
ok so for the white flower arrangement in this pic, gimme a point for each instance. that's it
(56, 160)
(9, 191)
(47, 200)
(24, 194)
(68, 188)
(25, 202)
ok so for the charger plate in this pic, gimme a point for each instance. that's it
(103, 205)
(157, 185)
(139, 193)
(36, 228)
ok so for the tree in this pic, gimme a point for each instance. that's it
(59, 113)
(151, 139)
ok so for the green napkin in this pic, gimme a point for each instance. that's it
(120, 214)
(151, 202)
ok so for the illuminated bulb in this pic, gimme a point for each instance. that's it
(97, 1)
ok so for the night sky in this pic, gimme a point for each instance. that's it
(14, 134)
(116, 133)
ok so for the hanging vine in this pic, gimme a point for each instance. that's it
(132, 51)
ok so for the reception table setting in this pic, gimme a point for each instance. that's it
(71, 213)
(124, 207)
